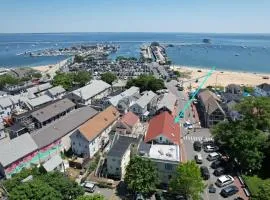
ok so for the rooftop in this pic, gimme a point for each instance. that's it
(160, 151)
(92, 89)
(163, 124)
(16, 149)
(52, 110)
(168, 101)
(5, 102)
(130, 119)
(129, 92)
(121, 145)
(39, 100)
(145, 99)
(52, 163)
(63, 126)
(56, 90)
(39, 88)
(265, 87)
(97, 124)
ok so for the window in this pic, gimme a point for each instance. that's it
(117, 168)
(113, 159)
(168, 166)
(160, 138)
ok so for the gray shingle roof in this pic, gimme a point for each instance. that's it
(63, 126)
(121, 145)
(88, 91)
(5, 102)
(129, 92)
(39, 100)
(52, 163)
(16, 149)
(52, 110)
(209, 101)
(39, 88)
(168, 101)
(265, 87)
(145, 99)
(56, 90)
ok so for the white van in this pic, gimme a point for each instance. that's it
(213, 156)
(224, 180)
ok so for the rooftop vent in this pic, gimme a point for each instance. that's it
(160, 152)
(168, 154)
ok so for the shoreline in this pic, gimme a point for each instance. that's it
(222, 77)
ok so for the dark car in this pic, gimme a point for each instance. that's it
(197, 146)
(205, 143)
(229, 191)
(219, 171)
(205, 172)
(238, 198)
(212, 188)
(216, 164)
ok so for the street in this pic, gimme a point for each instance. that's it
(189, 136)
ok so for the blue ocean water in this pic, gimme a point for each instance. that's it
(239, 52)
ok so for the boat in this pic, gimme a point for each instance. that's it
(207, 41)
(237, 54)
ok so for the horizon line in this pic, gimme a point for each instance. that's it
(71, 32)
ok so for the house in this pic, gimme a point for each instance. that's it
(46, 115)
(2, 131)
(166, 158)
(56, 92)
(97, 89)
(16, 130)
(127, 124)
(231, 112)
(38, 89)
(209, 108)
(55, 163)
(118, 156)
(55, 137)
(93, 134)
(233, 89)
(262, 90)
(163, 130)
(17, 154)
(6, 107)
(37, 102)
(167, 103)
(145, 104)
(119, 85)
(125, 99)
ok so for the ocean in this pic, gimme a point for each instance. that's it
(237, 52)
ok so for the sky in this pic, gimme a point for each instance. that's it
(212, 16)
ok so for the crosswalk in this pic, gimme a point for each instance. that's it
(196, 138)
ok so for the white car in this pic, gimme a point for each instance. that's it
(188, 125)
(224, 180)
(89, 186)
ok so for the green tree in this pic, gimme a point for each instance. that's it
(7, 79)
(91, 197)
(78, 59)
(146, 82)
(246, 145)
(36, 75)
(263, 192)
(188, 180)
(35, 190)
(108, 77)
(141, 175)
(67, 188)
(249, 90)
(82, 77)
(63, 79)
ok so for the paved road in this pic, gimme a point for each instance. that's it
(108, 193)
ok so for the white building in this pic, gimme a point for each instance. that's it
(145, 104)
(118, 156)
(165, 157)
(262, 90)
(56, 92)
(94, 134)
(97, 89)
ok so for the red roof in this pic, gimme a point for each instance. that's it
(163, 124)
(130, 119)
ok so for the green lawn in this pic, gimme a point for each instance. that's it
(253, 183)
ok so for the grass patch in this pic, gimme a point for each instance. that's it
(253, 183)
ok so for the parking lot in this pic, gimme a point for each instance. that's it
(188, 138)
(107, 193)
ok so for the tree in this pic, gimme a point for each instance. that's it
(249, 90)
(108, 77)
(78, 59)
(82, 77)
(246, 145)
(141, 175)
(36, 75)
(146, 82)
(67, 188)
(263, 192)
(7, 79)
(188, 180)
(91, 197)
(35, 190)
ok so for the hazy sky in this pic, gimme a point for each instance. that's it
(225, 16)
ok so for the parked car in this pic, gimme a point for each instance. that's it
(238, 198)
(210, 148)
(224, 180)
(208, 142)
(212, 188)
(197, 146)
(213, 156)
(198, 158)
(219, 171)
(216, 164)
(229, 191)
(89, 186)
(139, 196)
(205, 172)
(188, 125)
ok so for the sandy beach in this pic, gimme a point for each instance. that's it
(223, 77)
